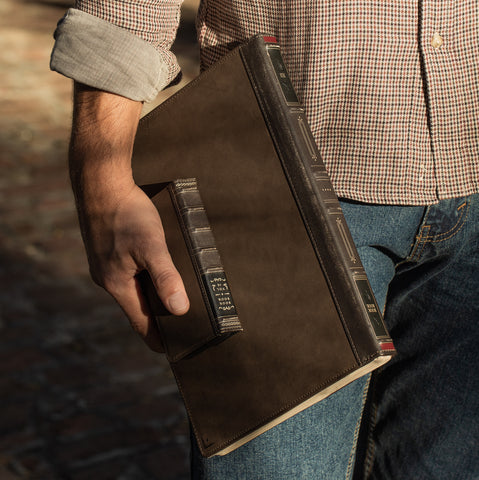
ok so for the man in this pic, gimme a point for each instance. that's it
(391, 92)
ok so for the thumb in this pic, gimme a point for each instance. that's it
(169, 285)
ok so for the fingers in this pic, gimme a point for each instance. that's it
(131, 300)
(122, 281)
(125, 287)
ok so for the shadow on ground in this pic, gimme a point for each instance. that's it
(81, 396)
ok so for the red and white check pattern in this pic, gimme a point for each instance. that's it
(395, 117)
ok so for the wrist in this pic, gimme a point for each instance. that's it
(98, 187)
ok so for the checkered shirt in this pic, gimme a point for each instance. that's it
(391, 88)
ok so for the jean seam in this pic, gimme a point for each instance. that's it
(356, 431)
(423, 238)
(419, 245)
(458, 226)
(454, 230)
(370, 449)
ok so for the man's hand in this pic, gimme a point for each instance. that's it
(121, 228)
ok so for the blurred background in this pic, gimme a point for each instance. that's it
(81, 396)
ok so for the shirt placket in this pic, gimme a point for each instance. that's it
(435, 29)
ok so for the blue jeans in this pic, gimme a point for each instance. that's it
(419, 419)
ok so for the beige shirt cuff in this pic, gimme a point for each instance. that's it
(99, 54)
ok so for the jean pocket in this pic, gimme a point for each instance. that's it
(441, 222)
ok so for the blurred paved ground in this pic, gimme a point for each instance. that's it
(81, 397)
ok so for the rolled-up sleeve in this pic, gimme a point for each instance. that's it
(121, 47)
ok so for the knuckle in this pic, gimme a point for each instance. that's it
(162, 271)
(165, 277)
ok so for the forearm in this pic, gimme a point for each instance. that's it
(103, 132)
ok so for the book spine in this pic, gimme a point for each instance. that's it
(204, 255)
(316, 199)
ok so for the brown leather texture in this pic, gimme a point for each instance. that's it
(293, 343)
(184, 335)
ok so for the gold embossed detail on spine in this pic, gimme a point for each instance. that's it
(347, 241)
(204, 255)
(282, 75)
(371, 306)
(303, 128)
(309, 179)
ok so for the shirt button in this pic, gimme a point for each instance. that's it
(436, 40)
